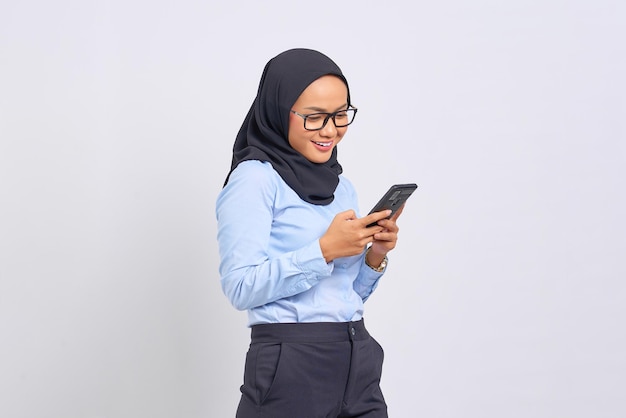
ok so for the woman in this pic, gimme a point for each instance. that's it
(293, 249)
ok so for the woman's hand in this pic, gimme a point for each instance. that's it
(385, 240)
(348, 235)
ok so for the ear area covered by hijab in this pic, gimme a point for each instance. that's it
(264, 133)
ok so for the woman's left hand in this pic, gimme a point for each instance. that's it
(385, 240)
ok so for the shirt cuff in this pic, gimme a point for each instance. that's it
(311, 262)
(367, 281)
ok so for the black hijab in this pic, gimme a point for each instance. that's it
(264, 132)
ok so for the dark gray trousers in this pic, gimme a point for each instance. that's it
(312, 370)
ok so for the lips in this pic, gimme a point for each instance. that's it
(323, 144)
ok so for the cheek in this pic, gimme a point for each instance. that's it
(297, 136)
(341, 132)
(297, 132)
(292, 130)
(296, 126)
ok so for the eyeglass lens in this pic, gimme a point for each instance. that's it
(318, 120)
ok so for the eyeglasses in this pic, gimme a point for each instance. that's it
(317, 121)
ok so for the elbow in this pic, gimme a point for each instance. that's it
(238, 298)
(239, 304)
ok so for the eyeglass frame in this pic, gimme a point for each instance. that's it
(327, 118)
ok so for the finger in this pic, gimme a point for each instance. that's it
(375, 217)
(386, 236)
(389, 225)
(371, 231)
(398, 212)
(347, 215)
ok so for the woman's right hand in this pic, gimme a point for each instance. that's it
(348, 235)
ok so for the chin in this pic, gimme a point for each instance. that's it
(319, 160)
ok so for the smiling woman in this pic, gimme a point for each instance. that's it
(316, 138)
(294, 252)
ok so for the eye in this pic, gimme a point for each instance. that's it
(315, 117)
(342, 115)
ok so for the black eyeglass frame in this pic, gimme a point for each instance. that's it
(327, 118)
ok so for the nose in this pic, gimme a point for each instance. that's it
(329, 130)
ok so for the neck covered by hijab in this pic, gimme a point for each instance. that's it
(264, 133)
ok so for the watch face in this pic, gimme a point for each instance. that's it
(383, 264)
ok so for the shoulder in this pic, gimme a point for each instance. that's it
(250, 181)
(345, 186)
(253, 168)
(254, 173)
(345, 182)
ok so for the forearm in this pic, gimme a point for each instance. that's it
(251, 285)
(374, 259)
(366, 281)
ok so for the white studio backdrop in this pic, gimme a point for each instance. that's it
(506, 296)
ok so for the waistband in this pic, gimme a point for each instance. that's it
(309, 332)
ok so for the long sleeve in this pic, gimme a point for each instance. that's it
(252, 274)
(367, 280)
(271, 262)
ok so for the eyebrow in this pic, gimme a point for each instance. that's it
(321, 110)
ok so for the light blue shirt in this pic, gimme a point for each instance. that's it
(271, 261)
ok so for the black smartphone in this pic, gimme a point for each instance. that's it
(394, 198)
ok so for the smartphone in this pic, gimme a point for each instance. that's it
(394, 198)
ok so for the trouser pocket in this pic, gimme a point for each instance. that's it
(260, 371)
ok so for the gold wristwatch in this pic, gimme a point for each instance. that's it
(378, 269)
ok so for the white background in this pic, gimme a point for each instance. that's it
(506, 296)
